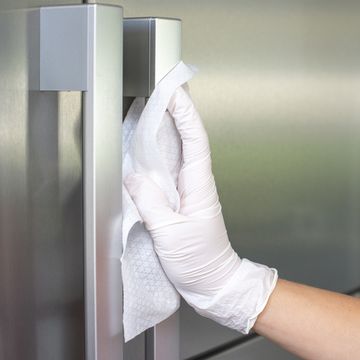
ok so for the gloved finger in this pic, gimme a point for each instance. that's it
(196, 184)
(195, 143)
(198, 193)
(150, 201)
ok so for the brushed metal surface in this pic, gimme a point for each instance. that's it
(167, 44)
(41, 241)
(278, 92)
(102, 185)
(137, 58)
(64, 48)
(152, 47)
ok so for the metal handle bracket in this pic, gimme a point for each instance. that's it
(61, 48)
(152, 47)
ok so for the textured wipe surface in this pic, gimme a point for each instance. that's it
(151, 145)
(148, 296)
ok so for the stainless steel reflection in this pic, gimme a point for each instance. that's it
(278, 91)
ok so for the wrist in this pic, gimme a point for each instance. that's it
(238, 304)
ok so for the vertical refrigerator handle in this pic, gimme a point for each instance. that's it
(152, 48)
(79, 48)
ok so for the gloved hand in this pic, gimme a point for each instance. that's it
(192, 245)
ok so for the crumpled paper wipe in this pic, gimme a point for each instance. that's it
(152, 146)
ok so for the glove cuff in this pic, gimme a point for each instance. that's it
(242, 299)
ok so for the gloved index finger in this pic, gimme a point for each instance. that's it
(195, 143)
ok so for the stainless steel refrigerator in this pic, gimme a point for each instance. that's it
(278, 90)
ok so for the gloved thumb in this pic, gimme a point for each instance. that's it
(150, 200)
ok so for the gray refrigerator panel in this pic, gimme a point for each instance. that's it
(278, 92)
(41, 239)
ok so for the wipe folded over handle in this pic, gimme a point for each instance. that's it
(151, 146)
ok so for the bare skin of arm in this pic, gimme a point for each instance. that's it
(311, 323)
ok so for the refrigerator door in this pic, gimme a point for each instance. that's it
(60, 183)
(41, 206)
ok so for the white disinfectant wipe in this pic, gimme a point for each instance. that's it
(152, 146)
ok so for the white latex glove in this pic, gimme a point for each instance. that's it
(193, 245)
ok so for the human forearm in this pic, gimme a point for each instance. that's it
(312, 323)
